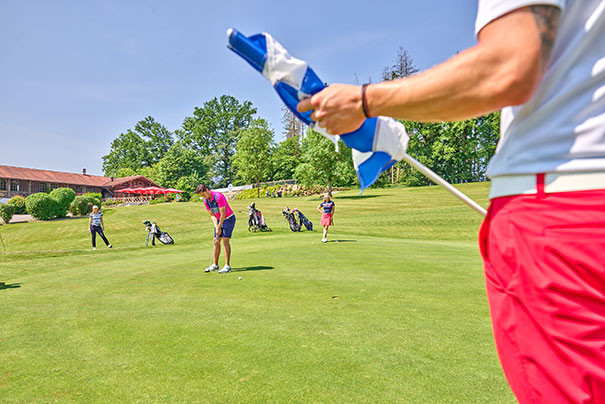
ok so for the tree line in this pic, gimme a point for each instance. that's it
(224, 142)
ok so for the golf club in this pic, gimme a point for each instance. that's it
(2, 241)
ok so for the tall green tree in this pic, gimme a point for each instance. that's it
(253, 157)
(178, 162)
(322, 165)
(214, 129)
(142, 147)
(286, 157)
(457, 151)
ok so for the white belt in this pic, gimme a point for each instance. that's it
(507, 185)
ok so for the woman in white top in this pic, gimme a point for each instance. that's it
(95, 225)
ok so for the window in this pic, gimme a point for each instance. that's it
(78, 189)
(2, 185)
(15, 186)
(43, 187)
(54, 186)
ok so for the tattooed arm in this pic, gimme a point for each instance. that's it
(503, 69)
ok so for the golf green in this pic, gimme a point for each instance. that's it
(391, 310)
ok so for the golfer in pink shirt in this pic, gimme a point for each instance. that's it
(224, 222)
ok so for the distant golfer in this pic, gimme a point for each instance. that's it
(224, 222)
(95, 225)
(326, 208)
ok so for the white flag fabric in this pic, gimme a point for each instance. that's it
(377, 145)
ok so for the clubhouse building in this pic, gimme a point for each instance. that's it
(27, 181)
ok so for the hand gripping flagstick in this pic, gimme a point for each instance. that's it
(379, 143)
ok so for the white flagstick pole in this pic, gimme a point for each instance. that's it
(438, 180)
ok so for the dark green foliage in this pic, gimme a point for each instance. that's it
(7, 211)
(322, 165)
(82, 205)
(214, 129)
(96, 198)
(179, 162)
(64, 197)
(253, 157)
(18, 202)
(41, 206)
(457, 151)
(158, 199)
(137, 149)
(285, 158)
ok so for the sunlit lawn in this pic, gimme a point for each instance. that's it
(395, 311)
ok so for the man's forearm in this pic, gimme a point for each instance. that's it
(503, 69)
(479, 80)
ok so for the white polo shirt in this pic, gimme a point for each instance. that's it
(562, 127)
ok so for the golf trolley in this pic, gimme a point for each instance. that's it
(153, 232)
(256, 220)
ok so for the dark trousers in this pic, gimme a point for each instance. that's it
(93, 231)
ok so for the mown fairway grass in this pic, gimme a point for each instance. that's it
(393, 313)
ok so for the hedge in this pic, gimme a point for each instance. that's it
(41, 206)
(18, 202)
(6, 212)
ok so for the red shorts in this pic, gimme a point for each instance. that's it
(326, 219)
(544, 258)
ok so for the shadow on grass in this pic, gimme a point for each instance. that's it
(359, 196)
(256, 268)
(9, 285)
(342, 241)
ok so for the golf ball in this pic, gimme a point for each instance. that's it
(240, 278)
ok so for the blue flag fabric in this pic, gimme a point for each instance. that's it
(377, 145)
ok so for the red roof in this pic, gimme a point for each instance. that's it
(123, 181)
(32, 174)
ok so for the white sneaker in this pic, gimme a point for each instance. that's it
(324, 240)
(211, 268)
(226, 268)
(109, 246)
(94, 248)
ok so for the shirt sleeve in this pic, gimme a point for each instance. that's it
(221, 201)
(489, 10)
(206, 204)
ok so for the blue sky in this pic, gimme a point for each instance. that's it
(76, 74)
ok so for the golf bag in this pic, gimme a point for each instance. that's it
(153, 232)
(302, 220)
(291, 219)
(256, 220)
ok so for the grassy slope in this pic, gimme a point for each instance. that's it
(396, 312)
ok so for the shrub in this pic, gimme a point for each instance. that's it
(158, 199)
(41, 206)
(82, 205)
(18, 202)
(6, 212)
(95, 197)
(64, 197)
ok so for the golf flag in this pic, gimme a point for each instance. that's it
(378, 144)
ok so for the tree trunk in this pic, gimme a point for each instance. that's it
(330, 187)
(257, 187)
